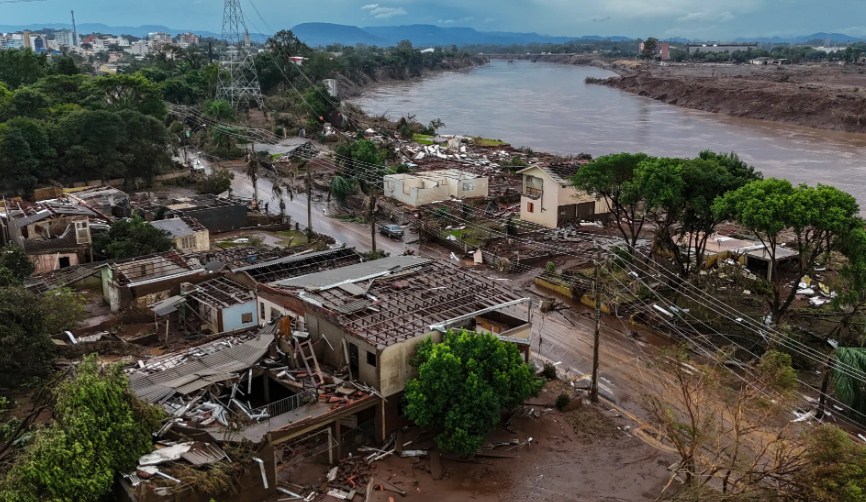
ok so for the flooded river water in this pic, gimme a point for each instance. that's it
(548, 107)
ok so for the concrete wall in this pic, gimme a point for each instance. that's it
(201, 243)
(394, 367)
(545, 209)
(430, 187)
(468, 188)
(268, 310)
(231, 316)
(50, 262)
(319, 327)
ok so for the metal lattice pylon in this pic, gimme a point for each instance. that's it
(238, 82)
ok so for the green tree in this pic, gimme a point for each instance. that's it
(144, 149)
(131, 237)
(217, 182)
(14, 266)
(100, 429)
(21, 67)
(834, 469)
(612, 178)
(29, 321)
(463, 385)
(219, 109)
(820, 218)
(128, 92)
(650, 46)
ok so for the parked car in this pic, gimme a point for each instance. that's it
(392, 231)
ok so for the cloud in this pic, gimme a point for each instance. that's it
(600, 19)
(462, 20)
(382, 12)
(700, 17)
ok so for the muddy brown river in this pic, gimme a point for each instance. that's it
(548, 107)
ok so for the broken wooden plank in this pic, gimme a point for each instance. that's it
(368, 495)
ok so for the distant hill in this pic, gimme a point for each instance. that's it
(421, 35)
(319, 34)
(802, 39)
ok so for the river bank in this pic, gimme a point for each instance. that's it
(822, 96)
(350, 88)
(829, 97)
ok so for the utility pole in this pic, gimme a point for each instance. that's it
(74, 30)
(373, 219)
(309, 203)
(593, 389)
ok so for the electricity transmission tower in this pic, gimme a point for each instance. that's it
(237, 82)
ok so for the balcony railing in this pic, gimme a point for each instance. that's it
(284, 406)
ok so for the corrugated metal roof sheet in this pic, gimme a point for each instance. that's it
(175, 226)
(352, 307)
(153, 387)
(203, 453)
(333, 278)
(167, 306)
(352, 289)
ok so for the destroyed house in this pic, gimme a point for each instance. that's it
(221, 305)
(287, 149)
(140, 282)
(234, 257)
(371, 316)
(549, 199)
(107, 200)
(418, 189)
(243, 388)
(215, 214)
(287, 267)
(187, 234)
(54, 233)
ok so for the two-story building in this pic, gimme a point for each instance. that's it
(371, 316)
(549, 199)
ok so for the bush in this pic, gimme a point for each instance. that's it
(562, 401)
(549, 371)
(216, 183)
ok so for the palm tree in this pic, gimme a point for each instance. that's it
(256, 161)
(849, 376)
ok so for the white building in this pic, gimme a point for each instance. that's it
(549, 199)
(66, 38)
(418, 189)
(138, 49)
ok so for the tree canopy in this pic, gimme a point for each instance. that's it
(820, 219)
(463, 385)
(131, 237)
(100, 429)
(29, 320)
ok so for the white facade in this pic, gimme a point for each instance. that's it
(550, 201)
(139, 48)
(65, 37)
(428, 187)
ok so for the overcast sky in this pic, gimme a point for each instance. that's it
(697, 19)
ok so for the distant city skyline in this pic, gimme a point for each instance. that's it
(633, 18)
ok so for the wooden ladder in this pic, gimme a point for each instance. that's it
(307, 353)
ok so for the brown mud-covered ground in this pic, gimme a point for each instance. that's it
(823, 96)
(589, 453)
